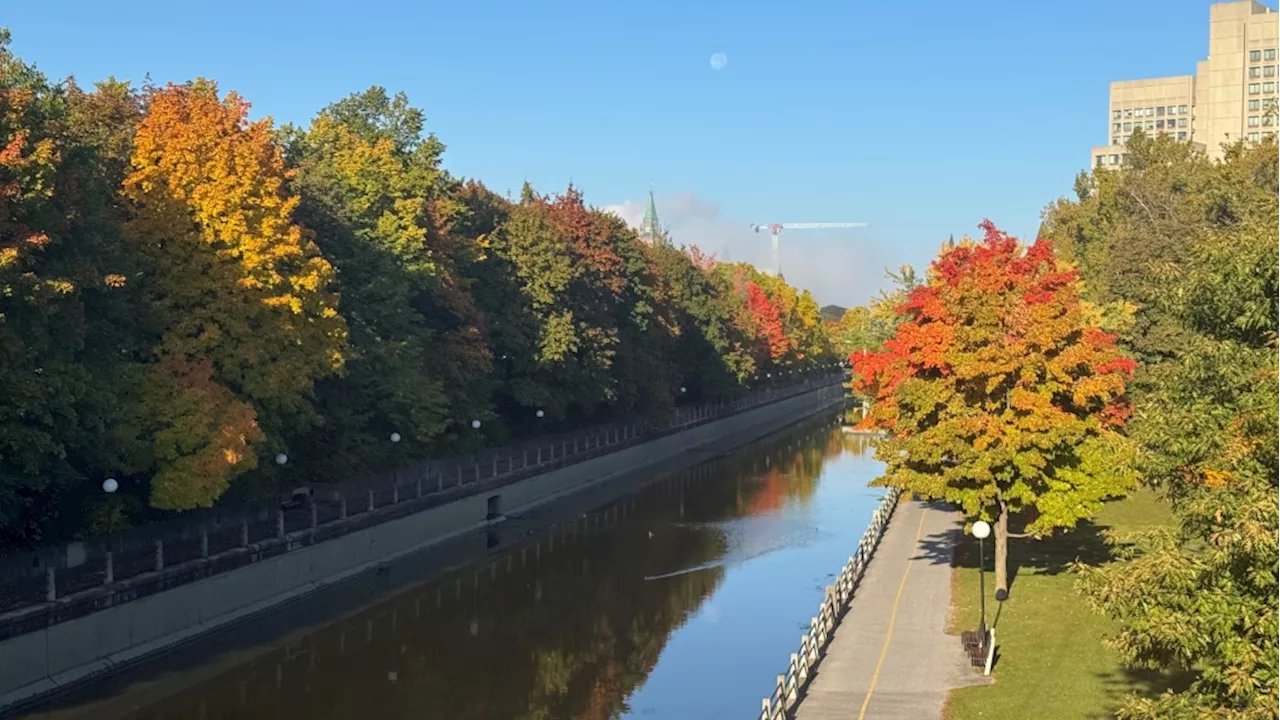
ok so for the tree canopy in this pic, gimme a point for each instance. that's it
(1189, 244)
(999, 395)
(187, 291)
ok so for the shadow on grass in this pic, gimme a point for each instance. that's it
(1049, 556)
(1142, 682)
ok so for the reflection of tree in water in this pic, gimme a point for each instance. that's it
(563, 626)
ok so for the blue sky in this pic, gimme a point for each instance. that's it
(918, 118)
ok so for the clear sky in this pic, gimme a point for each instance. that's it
(918, 118)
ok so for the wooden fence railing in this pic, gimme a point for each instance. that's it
(813, 644)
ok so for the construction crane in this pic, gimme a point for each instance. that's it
(776, 229)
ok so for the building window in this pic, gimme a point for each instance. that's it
(1268, 87)
(1182, 122)
(1098, 160)
(1254, 137)
(1115, 114)
(1182, 109)
(1255, 55)
(1254, 88)
(1151, 125)
(1269, 71)
(1160, 111)
(1255, 71)
(1128, 113)
(1254, 121)
(1253, 104)
(1115, 159)
(1269, 54)
(1150, 112)
(1115, 140)
(1268, 120)
(1268, 103)
(1128, 126)
(1115, 127)
(1182, 136)
(1159, 124)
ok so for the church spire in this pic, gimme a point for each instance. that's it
(650, 230)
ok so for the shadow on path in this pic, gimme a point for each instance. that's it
(1049, 556)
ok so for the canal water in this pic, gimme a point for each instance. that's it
(680, 597)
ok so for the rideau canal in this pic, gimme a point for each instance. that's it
(678, 596)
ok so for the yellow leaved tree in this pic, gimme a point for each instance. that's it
(240, 301)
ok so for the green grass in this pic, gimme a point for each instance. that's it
(1050, 659)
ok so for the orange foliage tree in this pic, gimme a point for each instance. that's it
(233, 282)
(1000, 394)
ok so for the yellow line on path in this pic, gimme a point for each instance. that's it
(893, 617)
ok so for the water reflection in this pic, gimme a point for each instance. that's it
(571, 622)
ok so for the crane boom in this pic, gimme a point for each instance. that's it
(820, 226)
(775, 229)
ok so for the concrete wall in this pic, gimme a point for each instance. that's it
(50, 659)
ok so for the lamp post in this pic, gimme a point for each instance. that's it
(982, 530)
(110, 485)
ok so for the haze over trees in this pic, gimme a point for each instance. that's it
(188, 292)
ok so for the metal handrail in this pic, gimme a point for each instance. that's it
(813, 644)
(51, 580)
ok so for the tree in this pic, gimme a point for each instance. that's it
(232, 282)
(1122, 226)
(998, 395)
(67, 310)
(373, 192)
(1202, 597)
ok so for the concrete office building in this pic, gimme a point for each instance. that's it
(1233, 94)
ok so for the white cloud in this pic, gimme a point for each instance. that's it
(842, 267)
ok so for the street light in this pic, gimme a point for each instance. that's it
(281, 458)
(110, 485)
(982, 530)
(395, 437)
(682, 389)
(539, 413)
(475, 424)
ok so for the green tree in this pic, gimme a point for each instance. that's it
(373, 192)
(66, 311)
(1125, 224)
(1203, 597)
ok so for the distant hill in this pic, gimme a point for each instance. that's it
(832, 313)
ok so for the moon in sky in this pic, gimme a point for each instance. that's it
(718, 61)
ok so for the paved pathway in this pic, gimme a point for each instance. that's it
(891, 656)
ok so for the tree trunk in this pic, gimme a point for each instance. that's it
(1002, 549)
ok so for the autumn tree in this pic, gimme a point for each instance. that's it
(999, 395)
(238, 297)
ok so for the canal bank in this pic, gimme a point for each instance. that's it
(55, 658)
(669, 596)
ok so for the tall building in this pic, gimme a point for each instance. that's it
(1232, 96)
(650, 230)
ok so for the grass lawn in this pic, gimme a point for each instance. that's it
(1050, 659)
